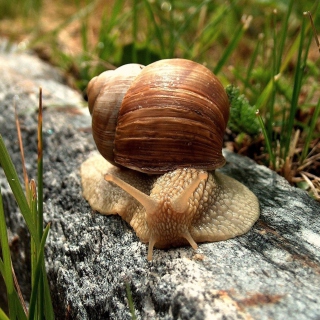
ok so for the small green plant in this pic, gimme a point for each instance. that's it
(242, 114)
(30, 205)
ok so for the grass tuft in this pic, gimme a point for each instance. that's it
(30, 205)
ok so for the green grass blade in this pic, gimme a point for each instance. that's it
(177, 34)
(19, 311)
(48, 309)
(283, 36)
(267, 92)
(232, 45)
(275, 70)
(15, 297)
(38, 274)
(267, 141)
(207, 35)
(264, 96)
(296, 90)
(157, 30)
(7, 273)
(172, 31)
(3, 316)
(294, 47)
(135, 14)
(1, 267)
(253, 61)
(311, 129)
(116, 10)
(130, 301)
(15, 305)
(81, 14)
(16, 188)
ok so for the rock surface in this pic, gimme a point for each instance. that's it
(272, 272)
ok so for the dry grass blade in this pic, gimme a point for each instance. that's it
(16, 284)
(40, 165)
(310, 159)
(26, 182)
(288, 170)
(40, 125)
(33, 189)
(314, 184)
(314, 29)
(25, 174)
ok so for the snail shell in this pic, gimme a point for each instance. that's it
(105, 94)
(170, 114)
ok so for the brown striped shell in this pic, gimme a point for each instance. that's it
(173, 115)
(105, 94)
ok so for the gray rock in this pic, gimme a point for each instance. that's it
(272, 272)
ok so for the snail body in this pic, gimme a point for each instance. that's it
(167, 118)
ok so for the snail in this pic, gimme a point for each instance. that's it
(159, 130)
